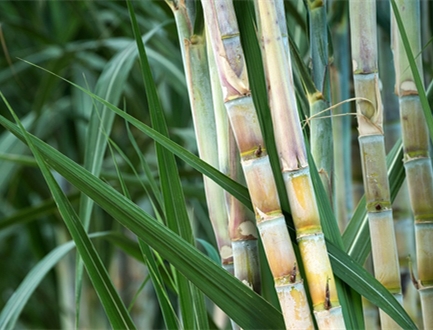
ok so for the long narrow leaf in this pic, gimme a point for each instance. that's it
(169, 315)
(239, 302)
(11, 311)
(231, 186)
(110, 86)
(110, 299)
(16, 303)
(32, 213)
(191, 302)
(167, 310)
(346, 276)
(365, 284)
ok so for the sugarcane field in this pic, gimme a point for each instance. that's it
(216, 164)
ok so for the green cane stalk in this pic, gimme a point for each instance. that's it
(321, 138)
(403, 222)
(416, 159)
(193, 47)
(340, 75)
(372, 149)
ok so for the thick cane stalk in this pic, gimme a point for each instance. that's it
(321, 139)
(416, 160)
(293, 161)
(224, 34)
(372, 149)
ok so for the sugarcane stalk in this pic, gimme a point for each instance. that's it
(321, 139)
(427, 35)
(403, 222)
(416, 159)
(242, 230)
(293, 161)
(340, 75)
(370, 311)
(241, 227)
(194, 56)
(372, 149)
(224, 34)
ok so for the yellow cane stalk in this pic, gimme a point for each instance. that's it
(224, 35)
(372, 149)
(416, 160)
(293, 161)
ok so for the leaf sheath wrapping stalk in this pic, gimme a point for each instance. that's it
(369, 108)
(228, 51)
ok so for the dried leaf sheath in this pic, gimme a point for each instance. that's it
(224, 34)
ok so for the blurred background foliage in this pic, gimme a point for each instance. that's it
(82, 41)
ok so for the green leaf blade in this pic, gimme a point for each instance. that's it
(240, 303)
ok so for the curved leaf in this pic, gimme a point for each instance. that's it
(240, 303)
(11, 311)
(98, 274)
